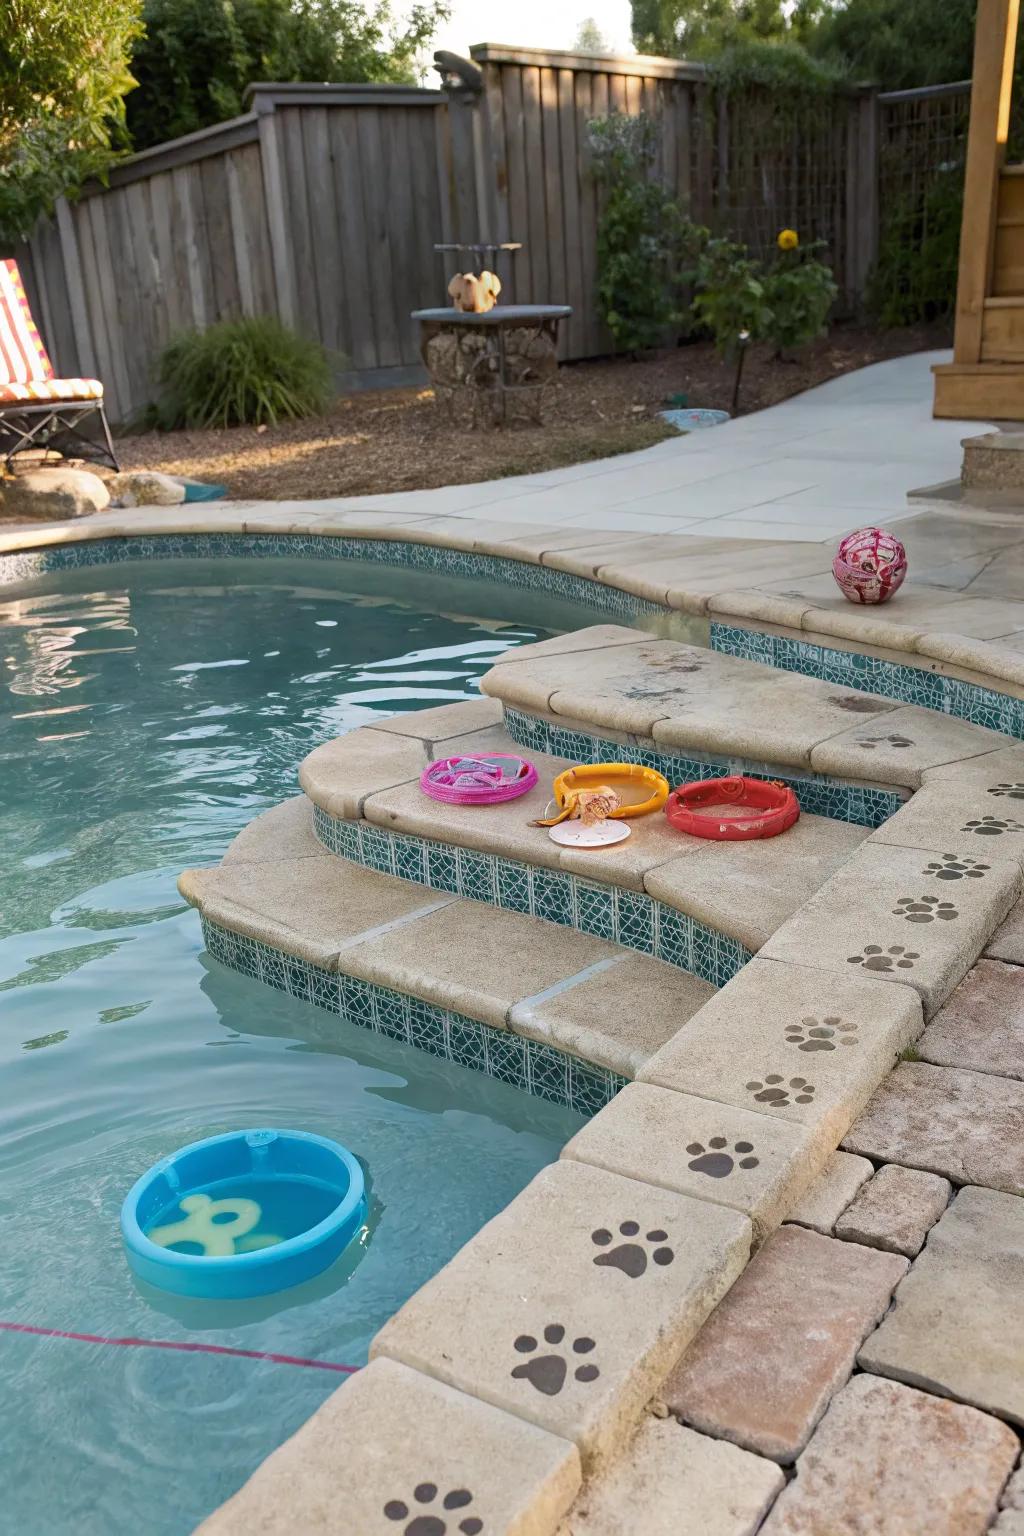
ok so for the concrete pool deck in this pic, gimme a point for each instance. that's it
(537, 1386)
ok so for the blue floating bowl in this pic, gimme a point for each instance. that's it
(693, 418)
(311, 1198)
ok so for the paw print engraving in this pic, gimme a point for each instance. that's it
(715, 1161)
(431, 1524)
(1011, 791)
(951, 867)
(873, 958)
(991, 826)
(869, 743)
(548, 1372)
(925, 909)
(630, 1257)
(810, 1035)
(777, 1091)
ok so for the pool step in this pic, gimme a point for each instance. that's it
(369, 808)
(621, 685)
(286, 911)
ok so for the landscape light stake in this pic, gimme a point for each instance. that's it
(742, 341)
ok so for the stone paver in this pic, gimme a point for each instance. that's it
(764, 1366)
(339, 775)
(896, 1210)
(428, 1458)
(890, 1461)
(759, 884)
(755, 1163)
(478, 961)
(1011, 1515)
(673, 1482)
(570, 1306)
(981, 1024)
(965, 1125)
(906, 743)
(961, 818)
(958, 1323)
(887, 916)
(307, 907)
(599, 1018)
(787, 1041)
(827, 1198)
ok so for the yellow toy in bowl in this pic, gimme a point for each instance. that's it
(612, 790)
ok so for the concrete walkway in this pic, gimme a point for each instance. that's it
(814, 467)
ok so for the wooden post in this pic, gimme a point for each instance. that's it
(995, 37)
(277, 218)
(861, 195)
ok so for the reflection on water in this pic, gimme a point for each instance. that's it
(146, 715)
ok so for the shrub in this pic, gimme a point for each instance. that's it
(731, 295)
(914, 278)
(646, 247)
(800, 291)
(241, 372)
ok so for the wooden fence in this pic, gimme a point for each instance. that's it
(322, 205)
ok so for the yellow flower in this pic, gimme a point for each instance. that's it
(788, 240)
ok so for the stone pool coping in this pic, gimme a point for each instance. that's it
(710, 579)
(458, 1394)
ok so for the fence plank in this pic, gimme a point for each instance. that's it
(354, 276)
(553, 198)
(377, 238)
(572, 153)
(515, 161)
(272, 167)
(533, 137)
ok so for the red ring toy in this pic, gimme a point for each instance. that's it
(773, 808)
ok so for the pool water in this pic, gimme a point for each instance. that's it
(147, 713)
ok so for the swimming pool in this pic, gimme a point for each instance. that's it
(147, 713)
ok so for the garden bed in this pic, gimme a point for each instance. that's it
(396, 440)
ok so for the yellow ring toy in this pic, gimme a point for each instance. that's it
(641, 790)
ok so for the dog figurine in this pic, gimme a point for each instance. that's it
(473, 294)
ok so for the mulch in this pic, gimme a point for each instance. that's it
(398, 440)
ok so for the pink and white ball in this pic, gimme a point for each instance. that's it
(869, 566)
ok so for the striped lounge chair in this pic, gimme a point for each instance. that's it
(35, 406)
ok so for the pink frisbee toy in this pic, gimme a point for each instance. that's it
(473, 780)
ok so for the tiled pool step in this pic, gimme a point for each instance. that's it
(548, 1010)
(855, 753)
(701, 905)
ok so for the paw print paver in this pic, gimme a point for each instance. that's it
(786, 1043)
(430, 1514)
(738, 1157)
(548, 1363)
(568, 1307)
(631, 1255)
(992, 826)
(925, 909)
(428, 1461)
(878, 918)
(948, 866)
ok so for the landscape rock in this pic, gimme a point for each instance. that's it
(53, 494)
(836, 1185)
(673, 1482)
(981, 1024)
(895, 1210)
(890, 1461)
(764, 1366)
(958, 1323)
(965, 1125)
(145, 488)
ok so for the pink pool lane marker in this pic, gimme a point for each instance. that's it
(184, 1345)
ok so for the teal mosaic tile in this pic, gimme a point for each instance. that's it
(595, 909)
(477, 877)
(524, 1064)
(513, 884)
(552, 896)
(818, 796)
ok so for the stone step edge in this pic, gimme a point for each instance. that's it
(864, 805)
(602, 909)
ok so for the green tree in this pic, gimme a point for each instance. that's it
(198, 56)
(590, 38)
(698, 29)
(897, 44)
(64, 70)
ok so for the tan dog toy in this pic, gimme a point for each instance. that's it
(474, 294)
